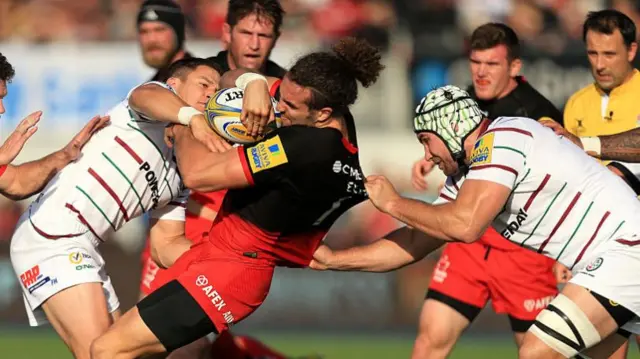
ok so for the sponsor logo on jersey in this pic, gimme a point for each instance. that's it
(203, 282)
(32, 279)
(267, 154)
(482, 150)
(595, 264)
(152, 182)
(514, 225)
(537, 304)
(76, 258)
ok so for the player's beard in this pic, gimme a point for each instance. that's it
(157, 61)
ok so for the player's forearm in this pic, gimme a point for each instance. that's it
(156, 103)
(624, 146)
(203, 170)
(29, 178)
(397, 249)
(443, 222)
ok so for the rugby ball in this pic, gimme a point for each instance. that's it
(223, 114)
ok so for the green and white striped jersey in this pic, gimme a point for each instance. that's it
(563, 203)
(125, 170)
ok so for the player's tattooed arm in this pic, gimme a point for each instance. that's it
(624, 146)
(24, 180)
(397, 249)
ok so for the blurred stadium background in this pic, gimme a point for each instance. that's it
(75, 58)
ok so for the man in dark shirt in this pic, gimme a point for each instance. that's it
(250, 33)
(519, 283)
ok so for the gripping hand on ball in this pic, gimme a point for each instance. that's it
(257, 108)
(203, 133)
(381, 192)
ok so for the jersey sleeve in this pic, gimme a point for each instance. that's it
(137, 114)
(175, 210)
(448, 193)
(286, 150)
(499, 155)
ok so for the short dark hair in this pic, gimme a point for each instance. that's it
(269, 9)
(183, 67)
(332, 76)
(607, 21)
(493, 34)
(6, 70)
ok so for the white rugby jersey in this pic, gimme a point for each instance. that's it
(563, 203)
(124, 170)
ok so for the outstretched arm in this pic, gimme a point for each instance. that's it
(624, 146)
(395, 250)
(464, 219)
(22, 181)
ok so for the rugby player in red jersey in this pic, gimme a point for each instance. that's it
(284, 195)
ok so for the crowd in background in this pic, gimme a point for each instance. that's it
(550, 26)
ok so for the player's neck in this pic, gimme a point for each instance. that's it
(338, 123)
(178, 56)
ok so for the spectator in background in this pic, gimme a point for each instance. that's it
(468, 275)
(610, 104)
(161, 35)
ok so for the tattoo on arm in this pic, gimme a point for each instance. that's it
(624, 146)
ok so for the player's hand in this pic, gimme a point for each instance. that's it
(203, 133)
(562, 273)
(14, 143)
(381, 192)
(420, 169)
(169, 135)
(73, 148)
(561, 131)
(257, 108)
(321, 258)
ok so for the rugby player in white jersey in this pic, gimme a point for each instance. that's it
(539, 191)
(125, 170)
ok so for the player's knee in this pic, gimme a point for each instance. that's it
(101, 348)
(531, 349)
(562, 328)
(431, 340)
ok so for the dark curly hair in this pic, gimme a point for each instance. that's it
(6, 70)
(332, 76)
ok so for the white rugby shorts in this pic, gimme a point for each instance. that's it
(612, 272)
(47, 266)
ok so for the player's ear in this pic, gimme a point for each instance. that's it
(323, 114)
(174, 82)
(226, 34)
(514, 67)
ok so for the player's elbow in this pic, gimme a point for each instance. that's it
(467, 233)
(195, 181)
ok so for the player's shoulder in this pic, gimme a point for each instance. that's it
(505, 127)
(315, 135)
(315, 144)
